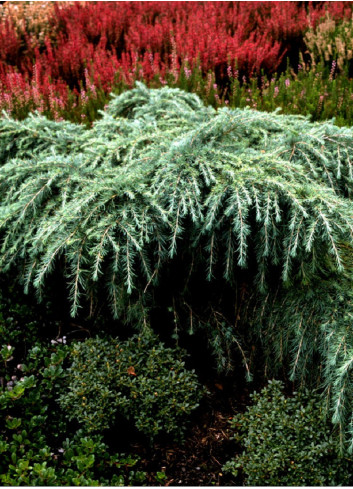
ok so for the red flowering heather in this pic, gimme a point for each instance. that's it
(90, 46)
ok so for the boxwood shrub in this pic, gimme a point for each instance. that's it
(139, 379)
(287, 441)
(37, 445)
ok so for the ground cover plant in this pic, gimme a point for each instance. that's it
(50, 436)
(288, 441)
(34, 444)
(140, 379)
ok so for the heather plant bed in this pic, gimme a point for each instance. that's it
(174, 258)
(263, 55)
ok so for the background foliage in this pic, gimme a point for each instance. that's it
(227, 52)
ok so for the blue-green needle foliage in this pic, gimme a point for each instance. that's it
(122, 193)
(160, 173)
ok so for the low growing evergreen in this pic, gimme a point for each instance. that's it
(37, 445)
(239, 223)
(139, 380)
(287, 441)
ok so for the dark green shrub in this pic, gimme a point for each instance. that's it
(37, 448)
(19, 330)
(82, 461)
(287, 442)
(140, 379)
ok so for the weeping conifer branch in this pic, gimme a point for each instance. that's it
(161, 176)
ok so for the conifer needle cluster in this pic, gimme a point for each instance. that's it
(161, 176)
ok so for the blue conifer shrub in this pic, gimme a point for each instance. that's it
(239, 223)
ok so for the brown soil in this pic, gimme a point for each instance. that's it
(208, 445)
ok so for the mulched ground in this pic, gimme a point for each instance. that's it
(208, 445)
